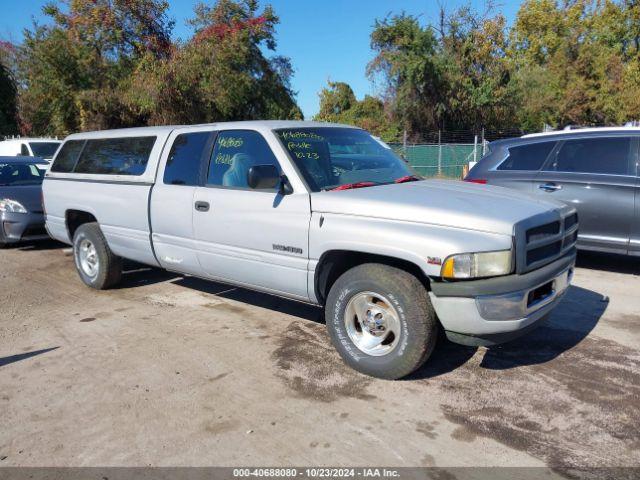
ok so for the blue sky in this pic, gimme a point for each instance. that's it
(325, 39)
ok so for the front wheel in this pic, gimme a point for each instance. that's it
(96, 264)
(381, 320)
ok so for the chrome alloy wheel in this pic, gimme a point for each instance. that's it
(372, 323)
(88, 258)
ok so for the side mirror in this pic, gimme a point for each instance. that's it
(267, 177)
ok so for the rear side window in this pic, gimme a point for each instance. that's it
(594, 155)
(24, 151)
(116, 156)
(67, 156)
(527, 157)
(235, 152)
(185, 158)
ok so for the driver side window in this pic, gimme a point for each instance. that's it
(234, 153)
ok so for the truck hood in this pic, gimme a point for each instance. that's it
(438, 202)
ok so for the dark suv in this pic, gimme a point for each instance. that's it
(594, 169)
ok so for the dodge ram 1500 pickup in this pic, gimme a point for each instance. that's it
(320, 213)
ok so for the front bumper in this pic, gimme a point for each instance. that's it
(20, 227)
(496, 310)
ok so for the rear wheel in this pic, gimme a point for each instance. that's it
(96, 264)
(381, 321)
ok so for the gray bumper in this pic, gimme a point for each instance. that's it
(486, 312)
(18, 227)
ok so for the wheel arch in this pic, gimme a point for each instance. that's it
(334, 263)
(75, 218)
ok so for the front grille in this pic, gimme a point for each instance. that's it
(543, 231)
(540, 253)
(570, 221)
(542, 239)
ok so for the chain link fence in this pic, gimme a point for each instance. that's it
(446, 160)
(447, 154)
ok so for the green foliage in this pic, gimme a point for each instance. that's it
(8, 96)
(338, 104)
(221, 73)
(577, 62)
(562, 62)
(457, 80)
(111, 63)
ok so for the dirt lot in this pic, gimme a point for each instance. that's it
(176, 371)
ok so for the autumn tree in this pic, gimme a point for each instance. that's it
(221, 73)
(112, 63)
(577, 62)
(453, 75)
(74, 71)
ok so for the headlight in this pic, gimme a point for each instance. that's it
(477, 265)
(11, 206)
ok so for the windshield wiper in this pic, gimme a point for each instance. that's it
(407, 178)
(349, 186)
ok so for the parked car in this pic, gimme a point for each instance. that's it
(21, 215)
(43, 148)
(594, 170)
(319, 213)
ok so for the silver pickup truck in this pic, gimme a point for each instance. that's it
(319, 213)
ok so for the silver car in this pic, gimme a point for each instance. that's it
(595, 170)
(21, 213)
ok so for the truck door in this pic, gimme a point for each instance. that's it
(594, 175)
(254, 237)
(181, 169)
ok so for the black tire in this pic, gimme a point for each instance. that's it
(409, 298)
(109, 266)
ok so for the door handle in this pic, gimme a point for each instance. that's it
(202, 206)
(549, 187)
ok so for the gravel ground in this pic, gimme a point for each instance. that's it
(174, 371)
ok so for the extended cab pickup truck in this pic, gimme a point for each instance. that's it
(319, 213)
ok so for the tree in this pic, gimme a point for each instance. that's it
(221, 73)
(112, 63)
(407, 62)
(73, 72)
(577, 61)
(451, 76)
(8, 94)
(338, 104)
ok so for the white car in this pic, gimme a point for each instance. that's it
(44, 148)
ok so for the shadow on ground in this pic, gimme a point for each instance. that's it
(577, 314)
(608, 262)
(572, 321)
(39, 246)
(301, 310)
(23, 356)
(138, 275)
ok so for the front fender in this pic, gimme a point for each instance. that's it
(422, 244)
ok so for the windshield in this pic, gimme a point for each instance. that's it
(44, 149)
(340, 158)
(20, 174)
